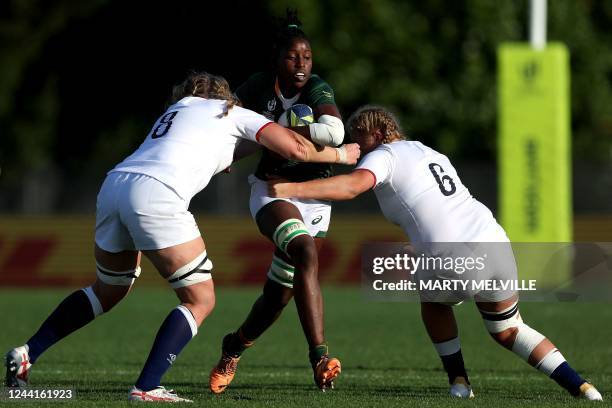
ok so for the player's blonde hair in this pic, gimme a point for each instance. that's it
(369, 118)
(205, 85)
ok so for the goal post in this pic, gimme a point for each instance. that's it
(534, 150)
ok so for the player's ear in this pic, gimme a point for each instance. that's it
(378, 135)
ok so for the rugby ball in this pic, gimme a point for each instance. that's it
(297, 115)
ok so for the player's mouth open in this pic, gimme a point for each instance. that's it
(300, 76)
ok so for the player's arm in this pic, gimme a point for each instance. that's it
(343, 187)
(327, 130)
(246, 147)
(293, 146)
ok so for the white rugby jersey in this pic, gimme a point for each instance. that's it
(418, 189)
(191, 142)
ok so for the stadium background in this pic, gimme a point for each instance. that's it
(82, 82)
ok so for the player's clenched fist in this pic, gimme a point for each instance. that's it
(348, 153)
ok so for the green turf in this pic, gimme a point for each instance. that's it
(387, 358)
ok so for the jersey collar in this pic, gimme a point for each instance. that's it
(287, 102)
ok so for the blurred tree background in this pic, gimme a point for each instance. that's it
(82, 82)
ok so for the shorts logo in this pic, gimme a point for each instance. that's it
(316, 220)
(271, 104)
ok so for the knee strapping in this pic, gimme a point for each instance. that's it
(287, 232)
(497, 322)
(196, 271)
(526, 338)
(124, 278)
(526, 341)
(281, 272)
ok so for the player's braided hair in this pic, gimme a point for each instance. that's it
(207, 86)
(369, 118)
(288, 30)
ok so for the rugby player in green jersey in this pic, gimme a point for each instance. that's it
(295, 226)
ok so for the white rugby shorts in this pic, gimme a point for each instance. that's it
(495, 252)
(316, 213)
(138, 212)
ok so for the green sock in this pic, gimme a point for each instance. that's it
(316, 353)
(235, 343)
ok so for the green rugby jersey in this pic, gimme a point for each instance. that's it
(259, 95)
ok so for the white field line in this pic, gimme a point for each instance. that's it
(357, 374)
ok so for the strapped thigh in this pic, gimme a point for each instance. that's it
(287, 231)
(124, 278)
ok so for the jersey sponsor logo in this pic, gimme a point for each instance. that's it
(272, 104)
(316, 220)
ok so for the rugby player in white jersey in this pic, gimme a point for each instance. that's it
(418, 189)
(142, 207)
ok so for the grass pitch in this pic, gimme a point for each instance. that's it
(386, 356)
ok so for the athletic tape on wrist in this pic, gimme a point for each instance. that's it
(287, 232)
(341, 154)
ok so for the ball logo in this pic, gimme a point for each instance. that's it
(297, 115)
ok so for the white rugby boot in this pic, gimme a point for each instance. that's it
(461, 389)
(158, 394)
(17, 363)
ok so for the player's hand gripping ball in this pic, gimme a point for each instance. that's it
(297, 115)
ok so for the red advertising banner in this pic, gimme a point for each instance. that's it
(58, 250)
